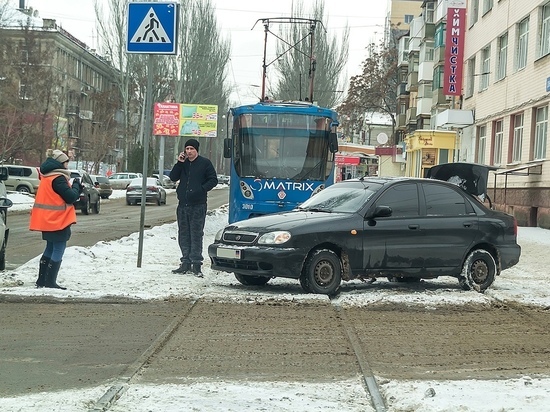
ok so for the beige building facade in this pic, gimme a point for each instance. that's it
(507, 86)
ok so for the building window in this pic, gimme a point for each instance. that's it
(438, 78)
(498, 135)
(482, 140)
(408, 18)
(471, 71)
(502, 56)
(430, 6)
(485, 68)
(487, 6)
(428, 51)
(474, 10)
(523, 42)
(541, 131)
(517, 140)
(545, 31)
(440, 35)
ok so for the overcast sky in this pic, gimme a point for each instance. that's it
(236, 19)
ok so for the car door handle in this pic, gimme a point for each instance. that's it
(413, 227)
(467, 224)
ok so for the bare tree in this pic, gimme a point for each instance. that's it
(295, 68)
(26, 95)
(374, 90)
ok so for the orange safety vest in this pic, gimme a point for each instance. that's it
(50, 213)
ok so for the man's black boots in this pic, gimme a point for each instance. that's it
(43, 266)
(184, 268)
(51, 275)
(196, 269)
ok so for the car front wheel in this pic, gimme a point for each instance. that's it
(479, 271)
(248, 280)
(323, 273)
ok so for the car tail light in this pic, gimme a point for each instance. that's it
(153, 188)
(130, 189)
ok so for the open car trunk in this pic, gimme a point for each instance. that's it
(471, 177)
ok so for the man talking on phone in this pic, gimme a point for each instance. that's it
(197, 177)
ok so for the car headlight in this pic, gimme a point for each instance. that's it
(274, 238)
(218, 235)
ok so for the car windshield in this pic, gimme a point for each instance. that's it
(341, 198)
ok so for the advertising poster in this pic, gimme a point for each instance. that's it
(193, 120)
(199, 120)
(166, 119)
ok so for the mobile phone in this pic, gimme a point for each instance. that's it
(182, 156)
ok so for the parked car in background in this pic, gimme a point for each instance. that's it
(90, 200)
(223, 179)
(154, 191)
(5, 203)
(121, 180)
(166, 182)
(23, 179)
(400, 228)
(103, 185)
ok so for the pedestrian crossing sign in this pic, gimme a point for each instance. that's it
(152, 28)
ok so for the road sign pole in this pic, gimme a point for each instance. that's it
(146, 134)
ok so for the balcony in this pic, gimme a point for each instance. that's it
(411, 115)
(412, 82)
(439, 99)
(73, 110)
(86, 114)
(424, 106)
(401, 120)
(428, 31)
(402, 89)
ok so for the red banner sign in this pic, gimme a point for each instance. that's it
(342, 160)
(454, 51)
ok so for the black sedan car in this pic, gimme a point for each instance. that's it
(399, 228)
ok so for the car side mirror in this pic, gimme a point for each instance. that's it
(5, 203)
(380, 211)
(96, 184)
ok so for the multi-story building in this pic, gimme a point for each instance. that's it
(507, 85)
(501, 117)
(80, 77)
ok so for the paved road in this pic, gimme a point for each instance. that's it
(114, 221)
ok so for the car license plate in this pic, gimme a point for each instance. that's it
(228, 253)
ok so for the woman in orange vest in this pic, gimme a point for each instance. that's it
(53, 214)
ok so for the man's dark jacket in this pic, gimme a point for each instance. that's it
(196, 178)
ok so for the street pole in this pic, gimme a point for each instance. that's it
(146, 133)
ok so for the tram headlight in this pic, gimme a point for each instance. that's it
(274, 238)
(246, 191)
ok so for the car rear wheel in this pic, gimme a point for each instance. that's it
(479, 271)
(97, 206)
(323, 272)
(86, 206)
(23, 189)
(249, 280)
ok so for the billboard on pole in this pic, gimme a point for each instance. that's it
(194, 120)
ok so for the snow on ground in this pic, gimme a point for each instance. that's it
(526, 283)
